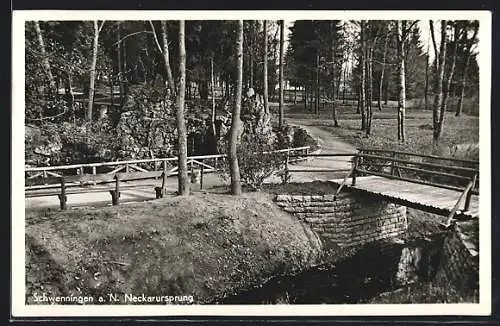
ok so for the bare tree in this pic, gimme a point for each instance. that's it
(164, 51)
(236, 122)
(402, 35)
(468, 47)
(212, 85)
(120, 64)
(382, 69)
(437, 115)
(401, 26)
(266, 98)
(282, 46)
(95, 48)
(183, 186)
(166, 58)
(362, 63)
(446, 92)
(426, 87)
(45, 59)
(334, 108)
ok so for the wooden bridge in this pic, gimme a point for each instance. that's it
(438, 185)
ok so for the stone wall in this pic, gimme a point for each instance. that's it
(348, 220)
(460, 258)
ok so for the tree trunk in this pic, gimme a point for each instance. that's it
(95, 47)
(369, 112)
(251, 52)
(344, 82)
(282, 48)
(120, 64)
(45, 60)
(401, 26)
(213, 93)
(266, 98)
(386, 92)
(462, 86)
(317, 83)
(438, 84)
(235, 123)
(447, 86)
(382, 71)
(363, 77)
(334, 108)
(426, 88)
(436, 54)
(464, 72)
(182, 177)
(166, 57)
(305, 97)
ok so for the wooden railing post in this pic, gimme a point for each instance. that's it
(469, 193)
(62, 195)
(354, 170)
(393, 170)
(115, 194)
(126, 167)
(201, 176)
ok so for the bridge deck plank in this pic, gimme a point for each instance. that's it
(424, 196)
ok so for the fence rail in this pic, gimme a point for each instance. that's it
(49, 176)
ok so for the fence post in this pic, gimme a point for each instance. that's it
(393, 162)
(201, 176)
(354, 171)
(44, 177)
(62, 195)
(126, 167)
(469, 193)
(115, 195)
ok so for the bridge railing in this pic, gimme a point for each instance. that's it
(442, 172)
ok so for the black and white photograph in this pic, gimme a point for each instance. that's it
(234, 163)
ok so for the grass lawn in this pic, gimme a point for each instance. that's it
(456, 130)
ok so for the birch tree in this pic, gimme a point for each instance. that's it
(266, 98)
(45, 59)
(437, 114)
(282, 46)
(236, 122)
(183, 186)
(95, 48)
(457, 32)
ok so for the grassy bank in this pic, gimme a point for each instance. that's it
(207, 246)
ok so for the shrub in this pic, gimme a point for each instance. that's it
(256, 160)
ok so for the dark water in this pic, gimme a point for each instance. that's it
(357, 279)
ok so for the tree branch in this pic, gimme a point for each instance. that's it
(128, 35)
(100, 27)
(156, 38)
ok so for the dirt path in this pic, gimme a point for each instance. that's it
(328, 142)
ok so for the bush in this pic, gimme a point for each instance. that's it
(257, 161)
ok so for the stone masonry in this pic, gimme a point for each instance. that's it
(348, 220)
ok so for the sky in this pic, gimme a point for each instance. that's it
(424, 36)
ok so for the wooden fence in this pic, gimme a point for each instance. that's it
(48, 177)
